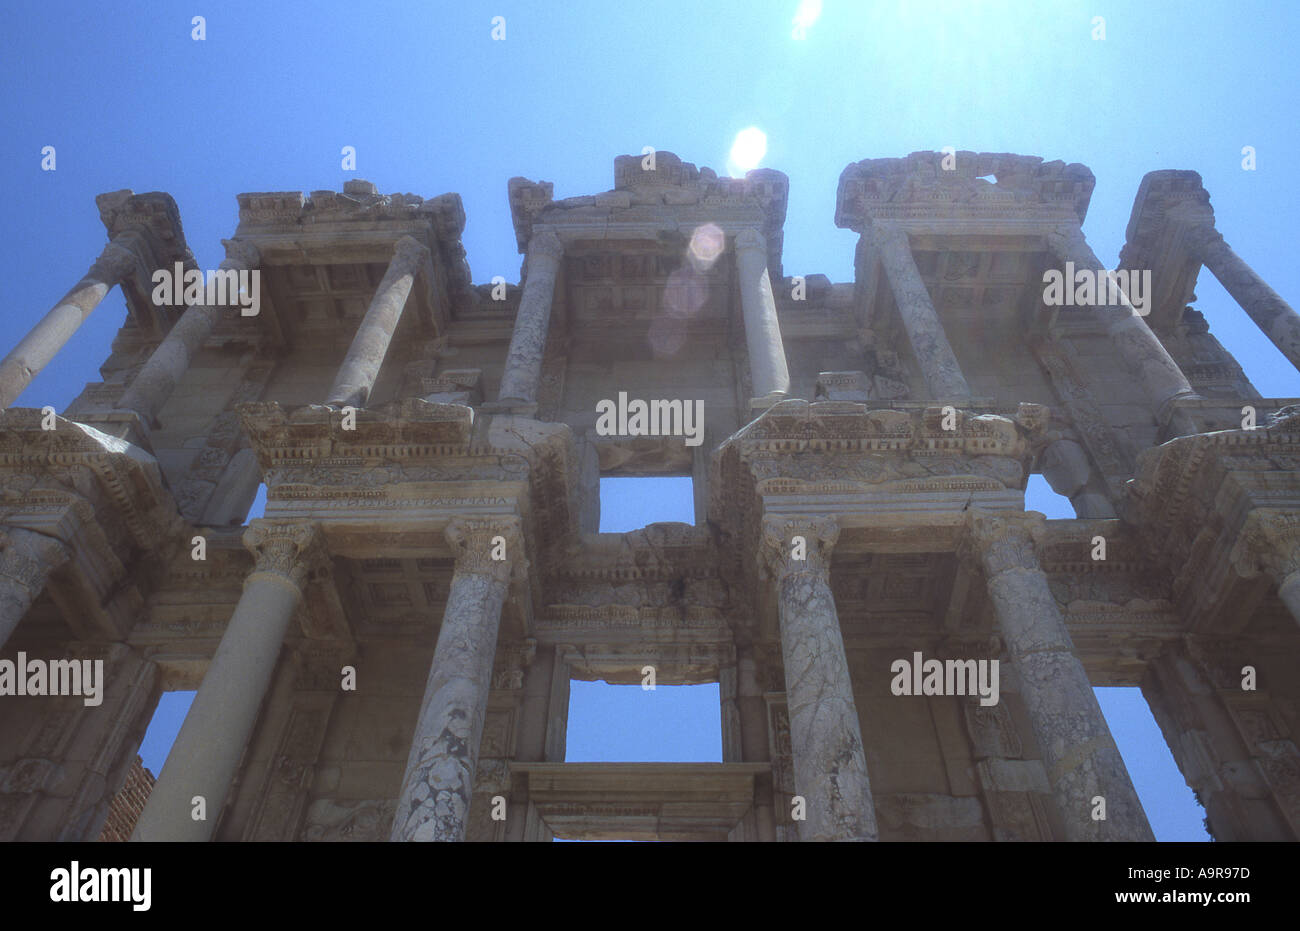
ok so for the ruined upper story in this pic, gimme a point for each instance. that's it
(648, 300)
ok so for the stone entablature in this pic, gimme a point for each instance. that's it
(918, 192)
(672, 197)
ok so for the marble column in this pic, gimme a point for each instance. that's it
(204, 758)
(1265, 306)
(43, 342)
(154, 383)
(768, 374)
(433, 804)
(1080, 757)
(356, 376)
(1271, 541)
(1140, 348)
(26, 560)
(943, 378)
(830, 764)
(533, 321)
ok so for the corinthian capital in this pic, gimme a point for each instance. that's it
(1003, 541)
(798, 543)
(487, 545)
(288, 550)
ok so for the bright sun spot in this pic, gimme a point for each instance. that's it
(749, 148)
(807, 14)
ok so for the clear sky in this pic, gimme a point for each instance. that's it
(432, 104)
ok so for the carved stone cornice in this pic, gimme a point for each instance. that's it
(358, 210)
(918, 187)
(27, 557)
(291, 551)
(778, 546)
(1003, 541)
(475, 539)
(676, 193)
(128, 476)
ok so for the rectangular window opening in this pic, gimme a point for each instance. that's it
(632, 502)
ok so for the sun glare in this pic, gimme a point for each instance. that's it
(748, 149)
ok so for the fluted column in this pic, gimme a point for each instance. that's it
(44, 340)
(768, 372)
(154, 383)
(532, 322)
(830, 764)
(943, 376)
(439, 782)
(1271, 540)
(1138, 345)
(207, 751)
(26, 560)
(1262, 304)
(356, 376)
(1080, 757)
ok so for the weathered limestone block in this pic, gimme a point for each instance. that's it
(434, 802)
(830, 765)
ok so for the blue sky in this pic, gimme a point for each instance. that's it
(432, 104)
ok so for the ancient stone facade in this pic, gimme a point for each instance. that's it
(387, 652)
